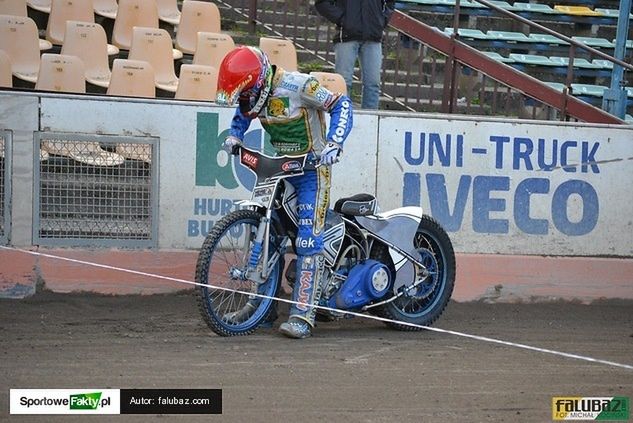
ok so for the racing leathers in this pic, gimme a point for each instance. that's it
(294, 117)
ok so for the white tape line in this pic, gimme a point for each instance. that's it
(365, 316)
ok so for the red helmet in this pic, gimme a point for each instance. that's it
(245, 75)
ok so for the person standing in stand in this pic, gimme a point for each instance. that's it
(360, 26)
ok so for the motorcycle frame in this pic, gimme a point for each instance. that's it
(266, 198)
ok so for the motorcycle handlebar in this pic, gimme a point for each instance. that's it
(309, 164)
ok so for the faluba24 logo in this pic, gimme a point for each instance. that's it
(212, 168)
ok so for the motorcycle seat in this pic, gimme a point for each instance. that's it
(357, 205)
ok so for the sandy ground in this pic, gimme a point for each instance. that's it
(354, 370)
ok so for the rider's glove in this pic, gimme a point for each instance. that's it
(231, 144)
(330, 153)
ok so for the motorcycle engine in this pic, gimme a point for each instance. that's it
(366, 282)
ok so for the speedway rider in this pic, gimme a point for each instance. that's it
(290, 107)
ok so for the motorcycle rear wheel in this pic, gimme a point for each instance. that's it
(431, 298)
(219, 273)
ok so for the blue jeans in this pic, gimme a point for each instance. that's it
(369, 54)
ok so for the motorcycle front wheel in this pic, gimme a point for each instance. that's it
(223, 289)
(423, 305)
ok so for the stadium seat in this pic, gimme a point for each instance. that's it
(6, 78)
(521, 7)
(469, 7)
(496, 56)
(602, 63)
(588, 90)
(211, 48)
(332, 81)
(508, 36)
(576, 10)
(154, 46)
(556, 85)
(471, 4)
(13, 7)
(611, 13)
(19, 39)
(106, 8)
(88, 152)
(531, 59)
(547, 39)
(62, 73)
(594, 42)
(197, 16)
(131, 13)
(65, 10)
(431, 2)
(281, 52)
(197, 82)
(88, 41)
(503, 4)
(132, 78)
(474, 34)
(578, 62)
(43, 6)
(168, 11)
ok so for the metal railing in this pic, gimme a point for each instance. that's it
(95, 190)
(573, 45)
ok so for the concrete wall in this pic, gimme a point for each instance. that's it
(510, 193)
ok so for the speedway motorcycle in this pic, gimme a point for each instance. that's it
(398, 264)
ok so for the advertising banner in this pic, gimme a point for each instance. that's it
(522, 188)
(497, 186)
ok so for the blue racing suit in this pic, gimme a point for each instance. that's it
(294, 118)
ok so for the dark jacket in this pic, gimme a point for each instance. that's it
(357, 20)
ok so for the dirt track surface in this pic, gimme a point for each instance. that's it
(353, 370)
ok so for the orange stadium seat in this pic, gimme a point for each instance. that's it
(211, 48)
(88, 41)
(197, 16)
(106, 8)
(65, 73)
(65, 10)
(6, 78)
(197, 82)
(19, 39)
(13, 7)
(19, 8)
(332, 81)
(168, 11)
(154, 46)
(133, 13)
(132, 78)
(60, 72)
(281, 52)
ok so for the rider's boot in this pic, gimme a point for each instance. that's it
(306, 292)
